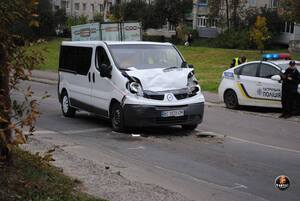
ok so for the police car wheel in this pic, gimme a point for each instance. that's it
(116, 117)
(231, 100)
(66, 108)
(189, 127)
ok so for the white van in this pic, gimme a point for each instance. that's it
(134, 84)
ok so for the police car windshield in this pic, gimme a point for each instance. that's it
(145, 56)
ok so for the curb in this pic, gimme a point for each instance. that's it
(44, 81)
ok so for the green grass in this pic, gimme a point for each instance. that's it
(50, 52)
(31, 178)
(209, 63)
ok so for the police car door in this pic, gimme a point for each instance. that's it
(267, 89)
(247, 81)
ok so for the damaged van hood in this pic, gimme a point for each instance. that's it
(160, 79)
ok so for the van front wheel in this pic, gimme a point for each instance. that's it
(66, 108)
(116, 118)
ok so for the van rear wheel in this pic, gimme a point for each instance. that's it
(66, 108)
(116, 117)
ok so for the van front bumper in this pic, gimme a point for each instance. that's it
(148, 115)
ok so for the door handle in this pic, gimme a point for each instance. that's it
(89, 76)
(94, 77)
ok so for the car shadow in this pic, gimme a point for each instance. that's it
(159, 132)
(260, 109)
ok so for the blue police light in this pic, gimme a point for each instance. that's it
(276, 56)
(267, 56)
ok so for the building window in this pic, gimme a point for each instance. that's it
(92, 7)
(252, 3)
(274, 3)
(84, 6)
(101, 7)
(202, 3)
(67, 4)
(288, 27)
(64, 4)
(76, 6)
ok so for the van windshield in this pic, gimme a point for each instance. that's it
(145, 56)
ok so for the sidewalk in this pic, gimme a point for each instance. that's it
(49, 77)
(46, 77)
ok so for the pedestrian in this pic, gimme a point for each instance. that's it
(189, 39)
(291, 80)
(237, 61)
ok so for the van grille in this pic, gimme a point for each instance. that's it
(179, 94)
(154, 96)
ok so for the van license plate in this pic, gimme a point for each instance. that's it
(172, 113)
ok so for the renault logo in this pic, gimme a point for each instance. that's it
(169, 97)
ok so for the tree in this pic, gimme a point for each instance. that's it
(14, 115)
(172, 10)
(290, 10)
(259, 33)
(46, 19)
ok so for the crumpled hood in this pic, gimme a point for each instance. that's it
(162, 80)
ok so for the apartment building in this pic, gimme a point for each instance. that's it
(208, 27)
(88, 8)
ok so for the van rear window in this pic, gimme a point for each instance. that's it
(75, 59)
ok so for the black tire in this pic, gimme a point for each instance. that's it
(66, 108)
(189, 127)
(231, 100)
(116, 117)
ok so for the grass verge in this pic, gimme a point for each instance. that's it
(28, 177)
(209, 63)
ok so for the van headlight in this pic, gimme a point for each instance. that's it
(192, 85)
(135, 88)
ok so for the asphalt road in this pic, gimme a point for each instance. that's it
(233, 155)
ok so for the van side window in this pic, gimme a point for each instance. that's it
(75, 59)
(101, 58)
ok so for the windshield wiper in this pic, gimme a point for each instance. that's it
(170, 68)
(124, 69)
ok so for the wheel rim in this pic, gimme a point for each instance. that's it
(65, 104)
(116, 118)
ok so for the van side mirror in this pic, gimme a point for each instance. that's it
(276, 78)
(105, 70)
(190, 66)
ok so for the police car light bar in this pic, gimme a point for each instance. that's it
(285, 56)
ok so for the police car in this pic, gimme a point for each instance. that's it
(256, 83)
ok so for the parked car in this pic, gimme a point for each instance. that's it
(256, 83)
(134, 84)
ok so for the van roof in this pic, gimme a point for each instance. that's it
(96, 43)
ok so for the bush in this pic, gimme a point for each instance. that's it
(234, 40)
(162, 39)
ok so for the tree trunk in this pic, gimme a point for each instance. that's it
(5, 102)
(227, 14)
